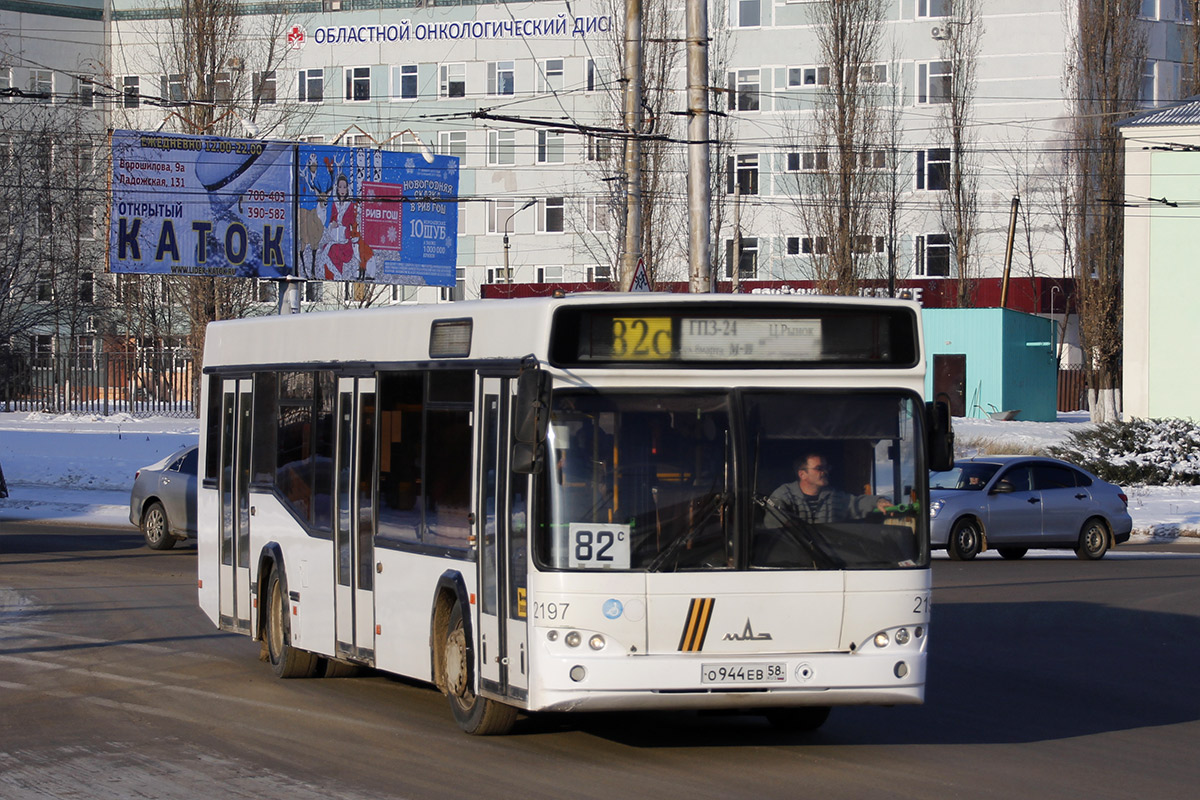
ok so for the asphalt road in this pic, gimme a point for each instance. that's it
(1049, 677)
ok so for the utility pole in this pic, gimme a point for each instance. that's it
(632, 250)
(699, 202)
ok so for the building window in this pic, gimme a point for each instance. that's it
(312, 86)
(934, 82)
(873, 73)
(43, 345)
(551, 217)
(743, 90)
(597, 213)
(499, 213)
(85, 92)
(263, 86)
(266, 292)
(741, 174)
(933, 169)
(501, 78)
(1147, 90)
(933, 255)
(593, 76)
(747, 259)
(933, 8)
(807, 77)
(41, 82)
(873, 160)
(793, 246)
(220, 87)
(808, 161)
(6, 80)
(748, 13)
(453, 80)
(130, 91)
(87, 288)
(358, 84)
(550, 76)
(312, 291)
(453, 143)
(172, 89)
(496, 275)
(814, 246)
(551, 147)
(502, 148)
(404, 82)
(1149, 9)
(865, 245)
(600, 273)
(45, 287)
(599, 148)
(549, 274)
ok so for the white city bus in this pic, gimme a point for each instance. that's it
(576, 503)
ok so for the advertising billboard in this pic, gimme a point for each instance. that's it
(201, 205)
(206, 205)
(376, 215)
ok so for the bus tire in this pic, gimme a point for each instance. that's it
(802, 718)
(1093, 540)
(286, 661)
(477, 715)
(1012, 553)
(156, 529)
(966, 540)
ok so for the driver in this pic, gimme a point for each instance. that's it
(809, 498)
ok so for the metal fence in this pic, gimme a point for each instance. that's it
(141, 384)
(1072, 389)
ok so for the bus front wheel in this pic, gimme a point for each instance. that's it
(474, 714)
(286, 661)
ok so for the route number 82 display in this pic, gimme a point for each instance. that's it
(598, 546)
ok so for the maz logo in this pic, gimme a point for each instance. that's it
(747, 635)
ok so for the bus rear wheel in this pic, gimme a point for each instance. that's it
(286, 661)
(474, 714)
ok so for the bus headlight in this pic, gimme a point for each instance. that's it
(596, 642)
(573, 639)
(881, 640)
(902, 636)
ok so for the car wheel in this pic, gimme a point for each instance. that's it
(1012, 553)
(156, 529)
(286, 661)
(966, 540)
(474, 714)
(807, 718)
(1093, 540)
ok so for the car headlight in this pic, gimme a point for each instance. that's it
(934, 507)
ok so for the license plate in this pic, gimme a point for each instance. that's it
(742, 673)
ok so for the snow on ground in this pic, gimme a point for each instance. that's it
(80, 468)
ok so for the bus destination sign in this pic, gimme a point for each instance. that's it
(711, 339)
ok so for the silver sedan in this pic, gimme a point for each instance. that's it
(1014, 503)
(163, 500)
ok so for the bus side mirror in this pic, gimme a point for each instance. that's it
(531, 418)
(940, 436)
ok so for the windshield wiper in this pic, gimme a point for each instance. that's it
(804, 534)
(713, 502)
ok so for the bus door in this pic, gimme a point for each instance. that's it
(500, 516)
(354, 542)
(233, 487)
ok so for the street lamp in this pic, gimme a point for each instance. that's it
(507, 272)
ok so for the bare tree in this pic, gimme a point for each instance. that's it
(1103, 78)
(218, 77)
(663, 226)
(1189, 84)
(959, 205)
(841, 145)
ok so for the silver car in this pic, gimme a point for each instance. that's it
(163, 500)
(1013, 503)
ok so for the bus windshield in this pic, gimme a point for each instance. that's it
(733, 480)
